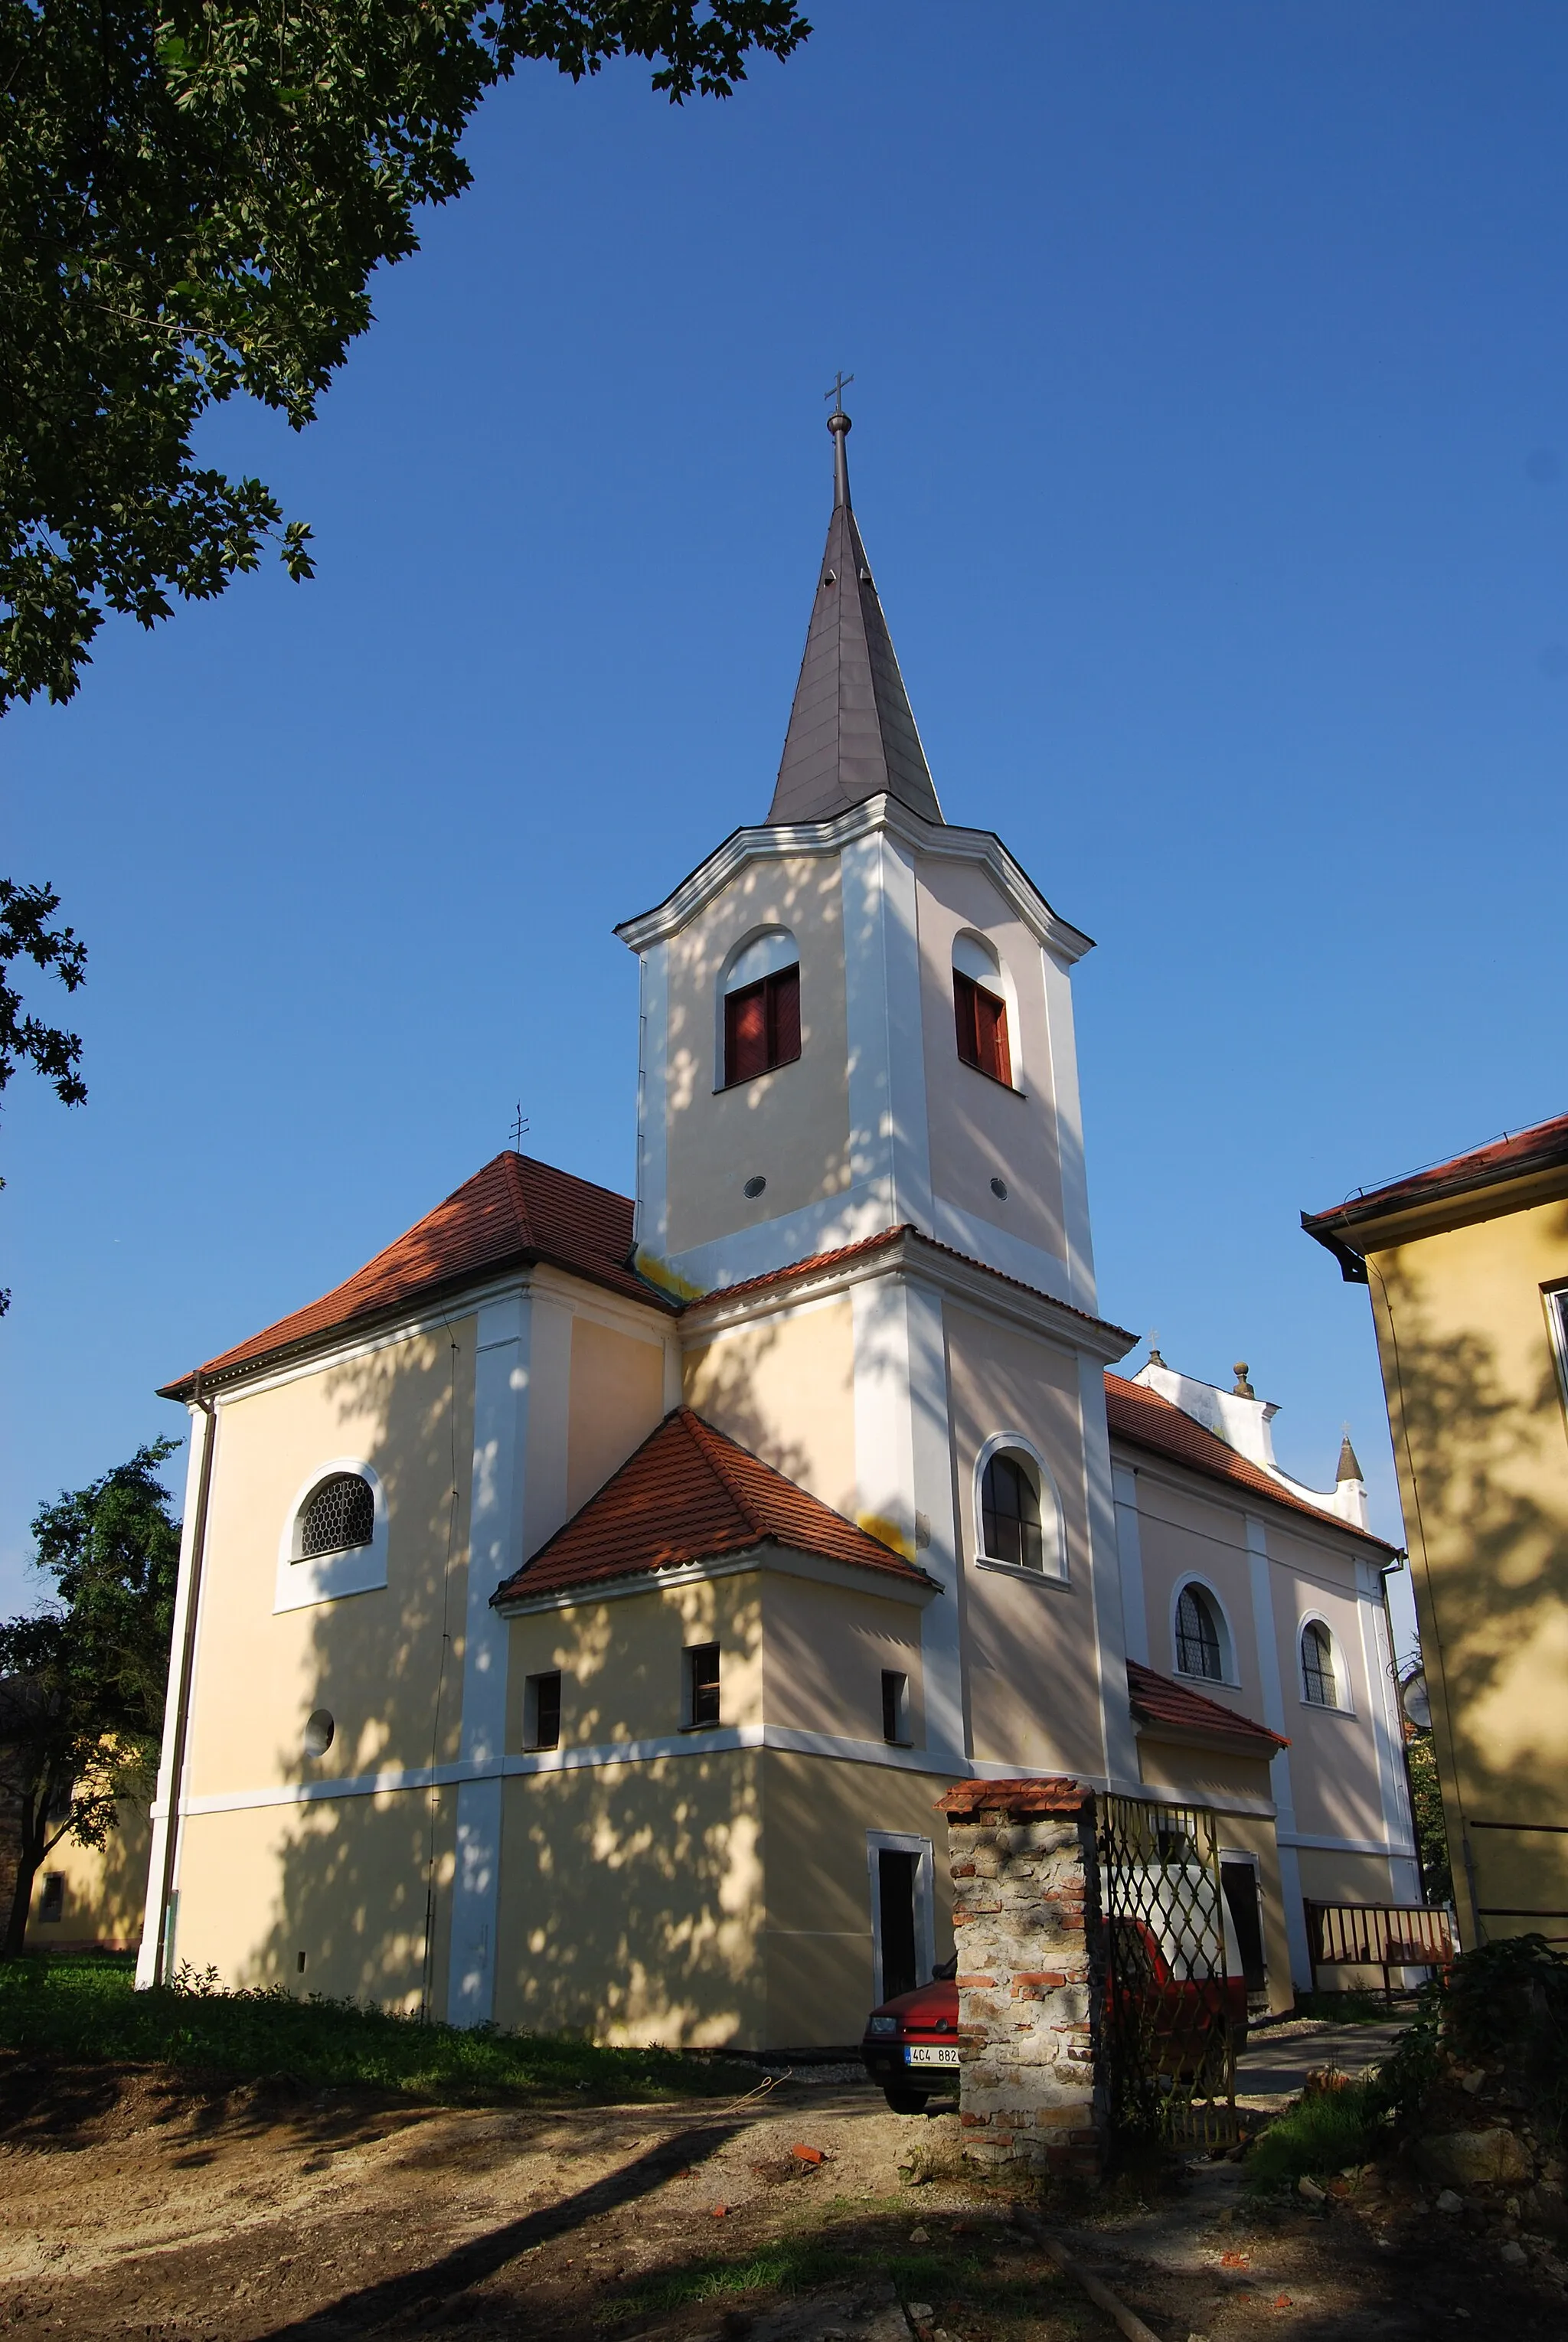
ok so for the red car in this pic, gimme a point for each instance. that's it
(910, 2046)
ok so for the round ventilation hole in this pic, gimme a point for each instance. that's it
(753, 1187)
(999, 1189)
(319, 1729)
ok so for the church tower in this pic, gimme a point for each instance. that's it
(857, 1015)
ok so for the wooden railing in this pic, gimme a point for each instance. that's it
(1383, 1936)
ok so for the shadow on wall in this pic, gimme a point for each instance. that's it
(359, 1877)
(1498, 1555)
(106, 1888)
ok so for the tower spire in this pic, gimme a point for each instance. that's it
(852, 732)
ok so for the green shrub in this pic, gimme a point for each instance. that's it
(1322, 2133)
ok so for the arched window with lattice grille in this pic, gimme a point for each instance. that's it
(340, 1515)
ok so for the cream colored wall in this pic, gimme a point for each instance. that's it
(979, 1130)
(1476, 1409)
(1030, 1648)
(106, 1888)
(616, 1397)
(620, 1661)
(817, 1941)
(783, 1386)
(1182, 1533)
(341, 1881)
(1335, 1783)
(792, 1125)
(632, 1900)
(825, 1648)
(373, 1660)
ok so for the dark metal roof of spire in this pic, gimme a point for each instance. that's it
(851, 732)
(1349, 1462)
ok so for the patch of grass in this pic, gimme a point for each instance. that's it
(1320, 2134)
(1363, 2007)
(84, 2010)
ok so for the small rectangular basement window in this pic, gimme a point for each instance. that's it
(895, 1708)
(702, 1696)
(52, 1902)
(541, 1710)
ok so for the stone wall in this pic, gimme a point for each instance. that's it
(1030, 1989)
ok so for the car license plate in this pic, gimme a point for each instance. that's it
(931, 2053)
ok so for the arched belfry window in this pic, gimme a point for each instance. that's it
(761, 1007)
(1320, 1671)
(979, 1008)
(339, 1516)
(1202, 1639)
(1020, 1516)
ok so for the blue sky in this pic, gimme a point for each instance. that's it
(1210, 443)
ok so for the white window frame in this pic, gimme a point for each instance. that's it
(1555, 1298)
(782, 950)
(1344, 1698)
(329, 1576)
(1228, 1675)
(903, 1842)
(1000, 1443)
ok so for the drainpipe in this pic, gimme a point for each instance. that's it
(181, 1702)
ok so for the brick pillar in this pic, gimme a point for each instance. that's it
(1030, 1982)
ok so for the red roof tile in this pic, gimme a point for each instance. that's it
(1056, 1794)
(512, 1213)
(1136, 1412)
(1156, 1700)
(690, 1494)
(878, 1243)
(1542, 1147)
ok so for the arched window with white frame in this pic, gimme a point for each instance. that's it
(759, 1007)
(1322, 1678)
(1017, 1511)
(333, 1537)
(1200, 1634)
(980, 1008)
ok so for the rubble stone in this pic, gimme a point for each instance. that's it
(1475, 2159)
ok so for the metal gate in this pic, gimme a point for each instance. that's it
(1171, 2049)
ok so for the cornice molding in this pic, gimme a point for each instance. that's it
(773, 842)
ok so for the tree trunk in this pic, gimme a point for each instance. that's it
(29, 1857)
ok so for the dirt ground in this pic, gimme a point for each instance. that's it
(134, 2204)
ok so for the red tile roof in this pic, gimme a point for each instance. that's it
(512, 1213)
(691, 1493)
(1054, 1794)
(1136, 1412)
(878, 1243)
(1542, 1147)
(1156, 1700)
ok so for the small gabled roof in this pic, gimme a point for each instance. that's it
(852, 732)
(692, 1494)
(1136, 1412)
(1161, 1704)
(512, 1213)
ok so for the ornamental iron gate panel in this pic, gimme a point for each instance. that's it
(1171, 2048)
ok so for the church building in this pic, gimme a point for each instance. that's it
(583, 1607)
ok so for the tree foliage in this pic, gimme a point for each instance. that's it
(82, 1680)
(194, 197)
(1426, 1809)
(26, 934)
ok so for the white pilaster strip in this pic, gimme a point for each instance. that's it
(1121, 1742)
(502, 1372)
(1130, 1553)
(904, 1469)
(890, 1141)
(1405, 1870)
(651, 1232)
(202, 1427)
(1069, 1129)
(1273, 1706)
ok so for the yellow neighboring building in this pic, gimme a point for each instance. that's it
(583, 1609)
(1467, 1265)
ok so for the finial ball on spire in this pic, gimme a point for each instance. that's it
(838, 422)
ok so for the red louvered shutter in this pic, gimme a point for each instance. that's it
(783, 1017)
(745, 1034)
(991, 1017)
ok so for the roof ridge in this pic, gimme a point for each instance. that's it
(705, 1433)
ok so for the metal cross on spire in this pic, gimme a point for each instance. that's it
(841, 384)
